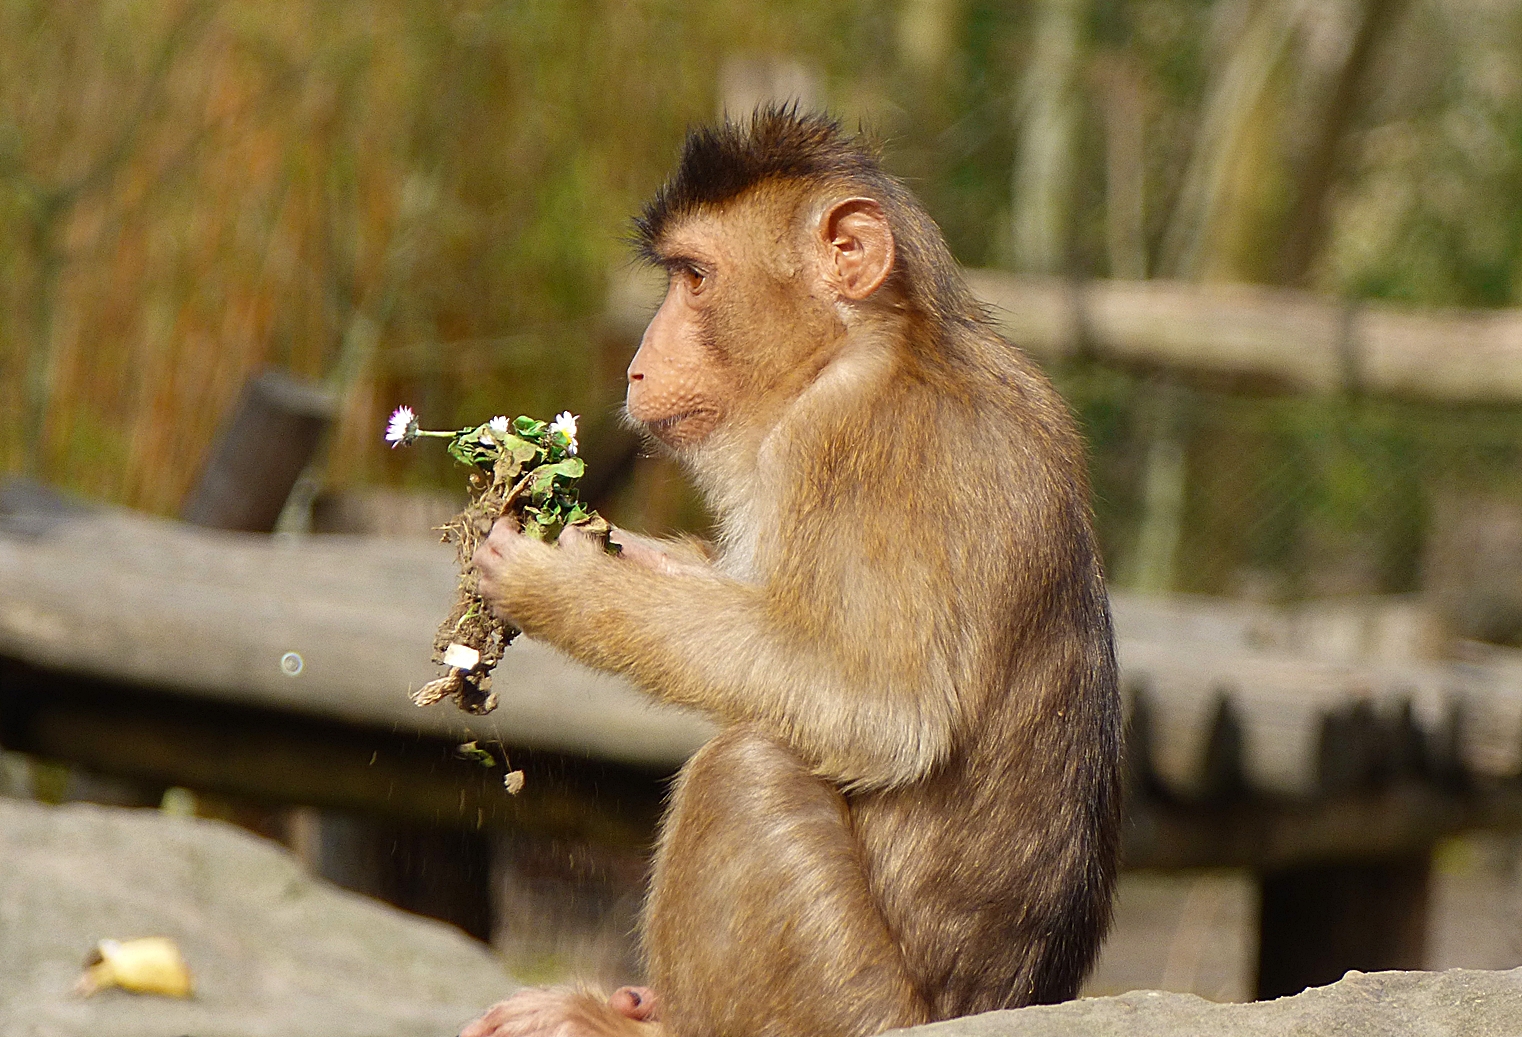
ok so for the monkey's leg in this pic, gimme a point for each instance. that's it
(760, 918)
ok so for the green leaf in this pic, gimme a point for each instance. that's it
(522, 449)
(542, 482)
(475, 754)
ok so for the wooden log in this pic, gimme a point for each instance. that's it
(1263, 834)
(1222, 778)
(1296, 340)
(210, 615)
(1141, 769)
(1354, 751)
(279, 758)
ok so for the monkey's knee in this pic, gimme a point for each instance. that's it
(759, 885)
(747, 785)
(749, 750)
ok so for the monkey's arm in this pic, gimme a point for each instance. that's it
(662, 555)
(864, 694)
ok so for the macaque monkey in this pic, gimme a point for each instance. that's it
(911, 810)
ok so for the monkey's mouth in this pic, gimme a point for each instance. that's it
(666, 424)
(684, 429)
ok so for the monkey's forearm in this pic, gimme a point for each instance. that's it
(662, 555)
(699, 639)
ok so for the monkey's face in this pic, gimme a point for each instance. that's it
(679, 380)
(753, 309)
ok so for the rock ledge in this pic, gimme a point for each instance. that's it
(1457, 1003)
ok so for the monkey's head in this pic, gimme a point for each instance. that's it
(780, 236)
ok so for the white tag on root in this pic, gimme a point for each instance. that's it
(461, 657)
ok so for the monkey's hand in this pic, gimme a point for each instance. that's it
(506, 559)
(563, 1012)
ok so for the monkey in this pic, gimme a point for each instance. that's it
(911, 809)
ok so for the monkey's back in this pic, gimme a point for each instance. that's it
(996, 873)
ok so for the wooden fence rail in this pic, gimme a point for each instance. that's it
(1291, 339)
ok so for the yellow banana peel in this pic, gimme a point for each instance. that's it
(148, 966)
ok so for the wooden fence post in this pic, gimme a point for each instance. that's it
(274, 431)
(1317, 922)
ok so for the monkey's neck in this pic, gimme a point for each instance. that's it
(742, 468)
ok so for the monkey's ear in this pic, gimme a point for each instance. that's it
(860, 246)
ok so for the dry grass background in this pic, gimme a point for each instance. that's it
(417, 201)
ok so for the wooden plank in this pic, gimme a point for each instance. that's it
(1297, 340)
(1263, 834)
(209, 615)
(283, 758)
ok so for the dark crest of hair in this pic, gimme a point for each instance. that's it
(783, 144)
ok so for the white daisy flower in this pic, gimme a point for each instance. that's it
(565, 424)
(498, 425)
(402, 429)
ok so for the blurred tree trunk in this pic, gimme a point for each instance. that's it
(1050, 106)
(1305, 226)
(1232, 150)
(1154, 559)
(1125, 167)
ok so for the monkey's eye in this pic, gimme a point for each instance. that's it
(694, 279)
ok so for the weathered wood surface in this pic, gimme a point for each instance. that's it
(1237, 699)
(1324, 698)
(211, 614)
(268, 440)
(1293, 339)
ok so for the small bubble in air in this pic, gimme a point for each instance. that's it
(291, 664)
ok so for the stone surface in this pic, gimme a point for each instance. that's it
(1457, 1003)
(272, 950)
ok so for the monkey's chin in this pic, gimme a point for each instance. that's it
(679, 432)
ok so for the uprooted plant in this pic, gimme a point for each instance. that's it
(524, 468)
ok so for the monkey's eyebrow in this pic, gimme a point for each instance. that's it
(682, 261)
(670, 259)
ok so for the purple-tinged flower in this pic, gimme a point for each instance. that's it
(402, 429)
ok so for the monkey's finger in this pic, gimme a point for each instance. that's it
(503, 1019)
(574, 538)
(536, 1012)
(637, 1003)
(487, 1024)
(500, 544)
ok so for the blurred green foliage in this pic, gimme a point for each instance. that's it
(424, 201)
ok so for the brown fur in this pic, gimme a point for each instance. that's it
(912, 812)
